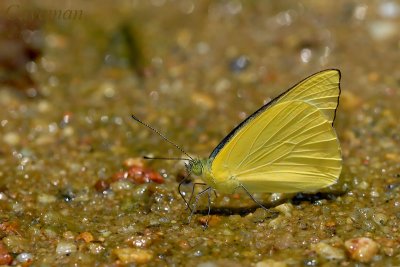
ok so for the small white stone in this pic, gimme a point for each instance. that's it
(65, 247)
(389, 9)
(271, 263)
(11, 138)
(24, 257)
(44, 106)
(207, 264)
(45, 199)
(285, 209)
(381, 30)
(95, 248)
(328, 252)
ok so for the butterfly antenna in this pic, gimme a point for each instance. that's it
(164, 158)
(162, 136)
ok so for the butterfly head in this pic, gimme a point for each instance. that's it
(195, 166)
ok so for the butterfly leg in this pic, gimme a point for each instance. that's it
(191, 194)
(209, 208)
(255, 200)
(215, 193)
(197, 200)
(182, 195)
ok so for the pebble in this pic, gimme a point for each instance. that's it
(140, 241)
(46, 199)
(133, 255)
(277, 222)
(203, 100)
(393, 156)
(11, 138)
(138, 175)
(184, 245)
(212, 220)
(102, 186)
(24, 257)
(363, 185)
(44, 106)
(361, 249)
(382, 30)
(389, 9)
(85, 236)
(380, 218)
(49, 233)
(259, 216)
(65, 248)
(285, 241)
(68, 131)
(285, 209)
(2, 195)
(122, 186)
(271, 263)
(16, 244)
(108, 89)
(207, 264)
(184, 37)
(222, 85)
(95, 248)
(373, 76)
(130, 162)
(239, 64)
(68, 235)
(5, 256)
(218, 263)
(328, 252)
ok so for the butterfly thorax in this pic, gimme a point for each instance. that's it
(224, 183)
(202, 168)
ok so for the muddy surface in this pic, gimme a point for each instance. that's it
(74, 189)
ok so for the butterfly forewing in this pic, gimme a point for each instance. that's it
(289, 147)
(321, 90)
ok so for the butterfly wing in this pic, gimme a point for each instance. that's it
(321, 90)
(289, 147)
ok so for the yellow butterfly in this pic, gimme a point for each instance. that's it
(288, 145)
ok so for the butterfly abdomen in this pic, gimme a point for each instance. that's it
(223, 182)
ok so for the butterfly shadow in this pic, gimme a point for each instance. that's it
(296, 199)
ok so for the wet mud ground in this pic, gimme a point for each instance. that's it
(74, 189)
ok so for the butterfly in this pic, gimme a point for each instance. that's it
(287, 145)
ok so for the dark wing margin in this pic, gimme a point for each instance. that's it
(270, 103)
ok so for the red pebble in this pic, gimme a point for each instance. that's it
(136, 174)
(119, 176)
(140, 175)
(101, 185)
(5, 256)
(156, 177)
